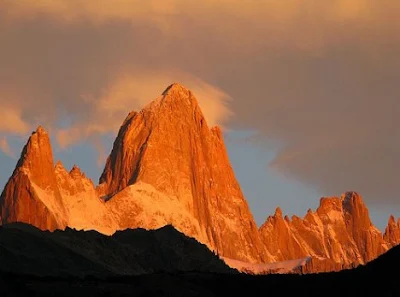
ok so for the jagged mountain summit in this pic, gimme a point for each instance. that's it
(22, 199)
(167, 167)
(338, 235)
(183, 164)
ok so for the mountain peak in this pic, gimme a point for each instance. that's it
(351, 195)
(75, 168)
(178, 100)
(76, 172)
(392, 232)
(169, 146)
(37, 157)
(33, 174)
(391, 220)
(40, 130)
(59, 167)
(278, 212)
(353, 203)
(175, 88)
(172, 121)
(38, 140)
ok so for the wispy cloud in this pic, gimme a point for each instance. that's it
(5, 147)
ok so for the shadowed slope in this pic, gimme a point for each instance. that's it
(378, 278)
(27, 250)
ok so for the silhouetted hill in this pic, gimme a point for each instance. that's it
(163, 262)
(25, 249)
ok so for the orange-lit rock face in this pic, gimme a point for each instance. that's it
(168, 145)
(21, 199)
(366, 236)
(392, 232)
(278, 237)
(338, 235)
(49, 197)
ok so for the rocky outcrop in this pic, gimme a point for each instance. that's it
(392, 232)
(339, 234)
(72, 182)
(84, 208)
(367, 237)
(278, 237)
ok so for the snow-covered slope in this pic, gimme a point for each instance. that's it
(142, 206)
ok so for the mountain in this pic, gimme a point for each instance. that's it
(23, 199)
(70, 253)
(338, 235)
(167, 167)
(168, 152)
(47, 196)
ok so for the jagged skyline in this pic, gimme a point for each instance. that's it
(168, 166)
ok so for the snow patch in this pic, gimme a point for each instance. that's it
(48, 198)
(266, 268)
(88, 212)
(141, 205)
(82, 211)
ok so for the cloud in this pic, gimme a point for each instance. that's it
(5, 148)
(12, 121)
(70, 11)
(318, 80)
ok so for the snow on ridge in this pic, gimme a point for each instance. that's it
(83, 211)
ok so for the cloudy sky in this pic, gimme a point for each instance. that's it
(307, 91)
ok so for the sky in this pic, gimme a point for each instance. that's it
(306, 91)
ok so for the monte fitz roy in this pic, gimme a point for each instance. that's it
(167, 167)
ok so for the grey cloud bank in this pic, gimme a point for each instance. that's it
(318, 81)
